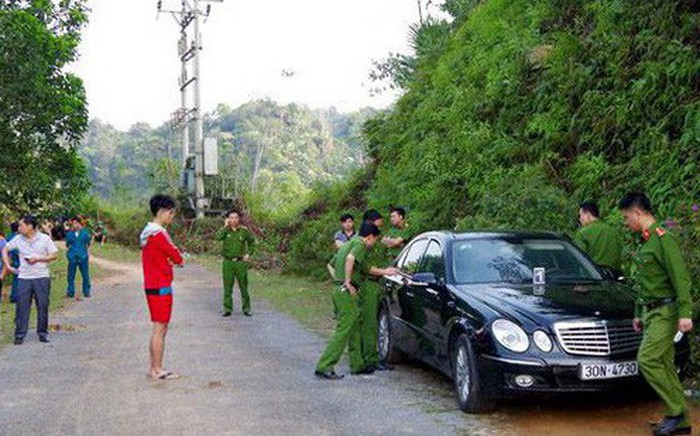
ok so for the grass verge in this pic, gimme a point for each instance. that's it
(306, 300)
(116, 253)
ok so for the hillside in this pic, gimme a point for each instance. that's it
(515, 111)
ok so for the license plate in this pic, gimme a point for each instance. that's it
(599, 371)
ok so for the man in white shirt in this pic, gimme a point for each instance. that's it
(36, 251)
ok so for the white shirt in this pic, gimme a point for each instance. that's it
(40, 245)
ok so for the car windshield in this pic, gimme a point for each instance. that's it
(516, 260)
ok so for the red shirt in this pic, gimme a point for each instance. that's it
(158, 254)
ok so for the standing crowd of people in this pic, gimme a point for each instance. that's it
(361, 259)
(663, 307)
(26, 253)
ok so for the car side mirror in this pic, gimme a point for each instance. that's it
(613, 274)
(424, 279)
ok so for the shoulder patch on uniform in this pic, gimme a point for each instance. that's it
(660, 231)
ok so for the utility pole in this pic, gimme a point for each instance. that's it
(190, 13)
(197, 119)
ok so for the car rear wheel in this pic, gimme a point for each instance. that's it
(470, 393)
(385, 342)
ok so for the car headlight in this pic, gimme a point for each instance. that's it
(542, 341)
(510, 335)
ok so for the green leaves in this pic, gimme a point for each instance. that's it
(42, 108)
(518, 110)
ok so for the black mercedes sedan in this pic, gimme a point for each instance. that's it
(510, 313)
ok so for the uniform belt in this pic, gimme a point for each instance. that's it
(658, 303)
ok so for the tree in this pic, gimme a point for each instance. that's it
(43, 111)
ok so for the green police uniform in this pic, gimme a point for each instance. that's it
(664, 297)
(394, 233)
(601, 242)
(346, 332)
(370, 298)
(236, 245)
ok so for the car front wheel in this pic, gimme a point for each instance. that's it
(385, 341)
(467, 380)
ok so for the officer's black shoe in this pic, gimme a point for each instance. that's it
(248, 313)
(44, 339)
(383, 366)
(672, 425)
(19, 341)
(227, 314)
(365, 371)
(328, 375)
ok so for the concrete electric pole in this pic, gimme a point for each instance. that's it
(190, 13)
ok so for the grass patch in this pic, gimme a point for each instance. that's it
(306, 300)
(116, 253)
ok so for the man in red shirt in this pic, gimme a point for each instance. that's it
(158, 255)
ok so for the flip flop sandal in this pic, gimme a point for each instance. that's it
(168, 375)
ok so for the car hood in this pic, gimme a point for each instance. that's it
(550, 303)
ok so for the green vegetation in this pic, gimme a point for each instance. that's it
(115, 253)
(270, 155)
(42, 107)
(515, 111)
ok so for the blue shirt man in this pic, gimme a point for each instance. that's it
(78, 241)
(14, 260)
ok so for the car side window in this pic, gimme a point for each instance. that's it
(414, 254)
(433, 261)
(399, 260)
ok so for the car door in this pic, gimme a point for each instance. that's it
(404, 307)
(432, 302)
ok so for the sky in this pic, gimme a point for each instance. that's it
(130, 67)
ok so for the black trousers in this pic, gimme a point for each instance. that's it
(28, 290)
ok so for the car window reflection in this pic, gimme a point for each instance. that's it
(513, 261)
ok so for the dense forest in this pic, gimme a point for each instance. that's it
(267, 152)
(515, 111)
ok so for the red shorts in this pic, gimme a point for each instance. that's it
(161, 307)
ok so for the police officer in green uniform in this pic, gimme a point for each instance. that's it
(369, 301)
(238, 247)
(600, 241)
(399, 234)
(351, 272)
(663, 308)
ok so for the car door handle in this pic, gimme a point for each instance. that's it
(410, 294)
(432, 292)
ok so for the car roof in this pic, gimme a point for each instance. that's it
(490, 234)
